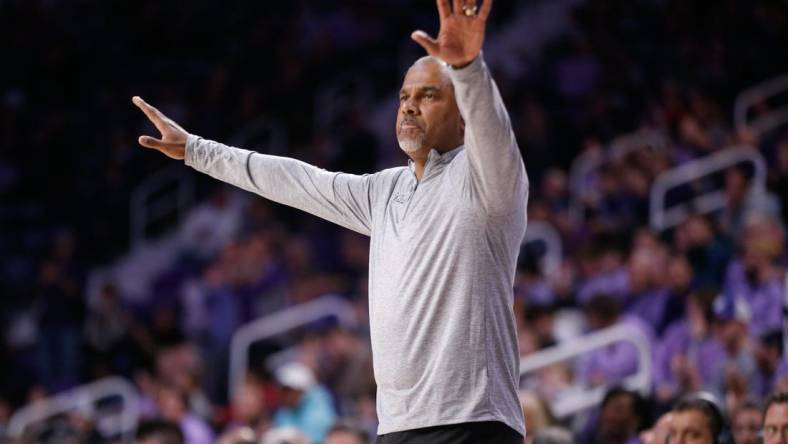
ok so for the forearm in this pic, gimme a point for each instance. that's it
(493, 154)
(339, 198)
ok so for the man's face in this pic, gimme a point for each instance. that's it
(775, 424)
(690, 427)
(428, 116)
(617, 421)
(746, 425)
(342, 437)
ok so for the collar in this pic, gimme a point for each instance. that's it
(434, 157)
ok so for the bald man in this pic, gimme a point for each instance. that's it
(445, 233)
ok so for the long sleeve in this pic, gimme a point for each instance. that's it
(344, 199)
(496, 166)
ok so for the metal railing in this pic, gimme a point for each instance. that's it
(278, 323)
(167, 192)
(750, 97)
(661, 218)
(577, 400)
(544, 232)
(83, 399)
(590, 162)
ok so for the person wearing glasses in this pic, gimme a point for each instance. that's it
(775, 419)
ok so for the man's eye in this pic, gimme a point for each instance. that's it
(430, 96)
(770, 430)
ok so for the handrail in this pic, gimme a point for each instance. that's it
(661, 218)
(751, 96)
(278, 323)
(581, 400)
(588, 162)
(84, 398)
(143, 212)
(545, 232)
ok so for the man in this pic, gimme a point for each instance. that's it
(445, 234)
(659, 433)
(775, 419)
(158, 432)
(306, 405)
(746, 423)
(622, 415)
(342, 433)
(698, 419)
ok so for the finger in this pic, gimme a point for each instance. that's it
(457, 6)
(443, 9)
(428, 43)
(171, 149)
(153, 114)
(484, 12)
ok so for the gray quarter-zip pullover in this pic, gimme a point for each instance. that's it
(443, 252)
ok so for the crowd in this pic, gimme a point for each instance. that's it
(707, 295)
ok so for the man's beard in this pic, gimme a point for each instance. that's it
(410, 143)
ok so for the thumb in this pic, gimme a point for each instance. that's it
(172, 149)
(428, 43)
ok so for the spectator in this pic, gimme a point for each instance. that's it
(659, 433)
(746, 423)
(157, 431)
(173, 406)
(775, 419)
(622, 415)
(553, 435)
(698, 419)
(284, 435)
(344, 433)
(306, 405)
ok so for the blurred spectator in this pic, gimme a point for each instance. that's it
(622, 415)
(284, 435)
(660, 432)
(769, 349)
(775, 419)
(553, 435)
(734, 372)
(173, 406)
(306, 405)
(159, 432)
(746, 423)
(610, 364)
(698, 419)
(753, 276)
(687, 347)
(344, 433)
(707, 252)
(537, 414)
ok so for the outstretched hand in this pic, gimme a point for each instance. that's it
(461, 32)
(173, 137)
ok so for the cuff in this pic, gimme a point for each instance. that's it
(467, 72)
(192, 155)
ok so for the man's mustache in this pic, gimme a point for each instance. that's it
(410, 121)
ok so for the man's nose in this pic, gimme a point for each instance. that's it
(410, 107)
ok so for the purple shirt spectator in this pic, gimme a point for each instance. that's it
(764, 299)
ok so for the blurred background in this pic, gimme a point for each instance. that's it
(142, 299)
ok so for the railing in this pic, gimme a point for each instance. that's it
(662, 218)
(577, 401)
(587, 163)
(758, 94)
(278, 323)
(83, 399)
(168, 191)
(544, 232)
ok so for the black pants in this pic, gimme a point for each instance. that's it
(490, 432)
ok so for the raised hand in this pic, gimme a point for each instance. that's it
(173, 137)
(461, 32)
